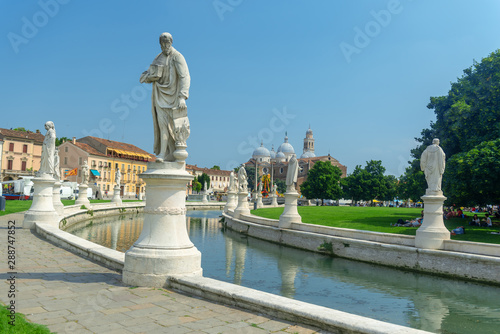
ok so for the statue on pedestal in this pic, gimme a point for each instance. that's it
(275, 189)
(232, 182)
(432, 163)
(291, 175)
(118, 177)
(57, 172)
(48, 150)
(205, 188)
(85, 173)
(242, 179)
(169, 75)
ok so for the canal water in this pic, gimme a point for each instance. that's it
(401, 297)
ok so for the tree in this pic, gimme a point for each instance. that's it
(411, 185)
(250, 176)
(323, 181)
(369, 183)
(473, 177)
(61, 140)
(466, 117)
(202, 179)
(280, 186)
(196, 185)
(215, 167)
(21, 129)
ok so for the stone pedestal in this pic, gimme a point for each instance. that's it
(260, 205)
(163, 248)
(274, 200)
(42, 208)
(232, 201)
(56, 198)
(82, 196)
(139, 197)
(432, 233)
(290, 214)
(116, 195)
(242, 207)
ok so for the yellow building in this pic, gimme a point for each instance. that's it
(104, 157)
(21, 153)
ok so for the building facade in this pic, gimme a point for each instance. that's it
(219, 179)
(104, 157)
(21, 153)
(277, 163)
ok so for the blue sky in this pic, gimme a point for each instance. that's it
(359, 72)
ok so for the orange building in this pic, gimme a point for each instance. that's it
(21, 153)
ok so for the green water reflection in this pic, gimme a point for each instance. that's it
(416, 300)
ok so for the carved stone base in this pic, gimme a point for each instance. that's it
(274, 200)
(232, 201)
(260, 205)
(204, 197)
(163, 248)
(432, 233)
(82, 196)
(56, 198)
(242, 207)
(42, 208)
(116, 196)
(290, 214)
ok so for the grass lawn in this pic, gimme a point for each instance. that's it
(21, 326)
(378, 219)
(14, 206)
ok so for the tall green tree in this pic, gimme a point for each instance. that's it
(280, 186)
(466, 117)
(473, 177)
(411, 185)
(202, 179)
(323, 181)
(369, 183)
(215, 167)
(61, 140)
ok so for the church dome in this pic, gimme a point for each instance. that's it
(309, 132)
(261, 152)
(307, 154)
(280, 156)
(272, 153)
(286, 147)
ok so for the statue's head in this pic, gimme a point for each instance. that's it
(435, 141)
(165, 42)
(49, 125)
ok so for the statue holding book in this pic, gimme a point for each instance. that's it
(169, 75)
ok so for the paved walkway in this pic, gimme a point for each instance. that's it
(71, 294)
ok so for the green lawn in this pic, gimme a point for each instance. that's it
(378, 219)
(21, 325)
(14, 206)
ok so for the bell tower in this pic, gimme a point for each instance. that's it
(309, 141)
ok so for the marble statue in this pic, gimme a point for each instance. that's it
(169, 75)
(275, 189)
(57, 172)
(232, 182)
(291, 175)
(118, 177)
(48, 150)
(85, 173)
(205, 186)
(242, 179)
(260, 188)
(432, 163)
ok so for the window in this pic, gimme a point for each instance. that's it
(11, 147)
(80, 162)
(25, 149)
(23, 165)
(281, 170)
(65, 160)
(9, 164)
(66, 149)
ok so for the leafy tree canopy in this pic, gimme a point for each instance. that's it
(369, 183)
(202, 179)
(322, 182)
(215, 167)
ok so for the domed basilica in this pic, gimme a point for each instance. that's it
(278, 160)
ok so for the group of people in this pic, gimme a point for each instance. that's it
(486, 222)
(453, 213)
(417, 222)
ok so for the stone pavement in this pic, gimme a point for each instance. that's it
(71, 294)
